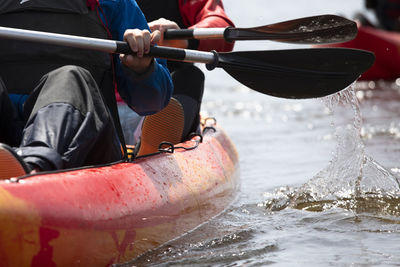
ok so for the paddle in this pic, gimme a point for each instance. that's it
(299, 73)
(302, 73)
(309, 30)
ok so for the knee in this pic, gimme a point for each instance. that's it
(198, 72)
(72, 77)
(189, 81)
(70, 70)
(190, 73)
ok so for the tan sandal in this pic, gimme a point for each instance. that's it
(164, 126)
(11, 165)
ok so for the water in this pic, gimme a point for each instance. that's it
(319, 177)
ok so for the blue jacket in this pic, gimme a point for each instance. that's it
(148, 93)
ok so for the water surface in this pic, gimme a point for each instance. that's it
(319, 177)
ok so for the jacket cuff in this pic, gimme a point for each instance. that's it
(139, 76)
(45, 158)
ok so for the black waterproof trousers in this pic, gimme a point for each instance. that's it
(188, 89)
(66, 123)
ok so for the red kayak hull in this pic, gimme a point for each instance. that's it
(104, 215)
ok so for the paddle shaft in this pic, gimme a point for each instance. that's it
(199, 33)
(108, 46)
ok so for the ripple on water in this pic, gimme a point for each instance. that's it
(209, 246)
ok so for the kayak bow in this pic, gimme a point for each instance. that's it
(98, 216)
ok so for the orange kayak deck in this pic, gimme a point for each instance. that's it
(99, 216)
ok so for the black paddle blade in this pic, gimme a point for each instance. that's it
(297, 74)
(322, 29)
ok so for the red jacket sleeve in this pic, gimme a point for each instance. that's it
(206, 14)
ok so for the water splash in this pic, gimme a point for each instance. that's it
(352, 180)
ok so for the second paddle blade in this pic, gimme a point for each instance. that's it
(299, 73)
(322, 29)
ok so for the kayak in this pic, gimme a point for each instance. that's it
(385, 45)
(102, 215)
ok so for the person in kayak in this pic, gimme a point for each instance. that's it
(387, 13)
(187, 78)
(57, 103)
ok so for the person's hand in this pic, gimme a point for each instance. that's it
(162, 25)
(140, 42)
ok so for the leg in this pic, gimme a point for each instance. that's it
(10, 123)
(180, 118)
(68, 123)
(188, 90)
